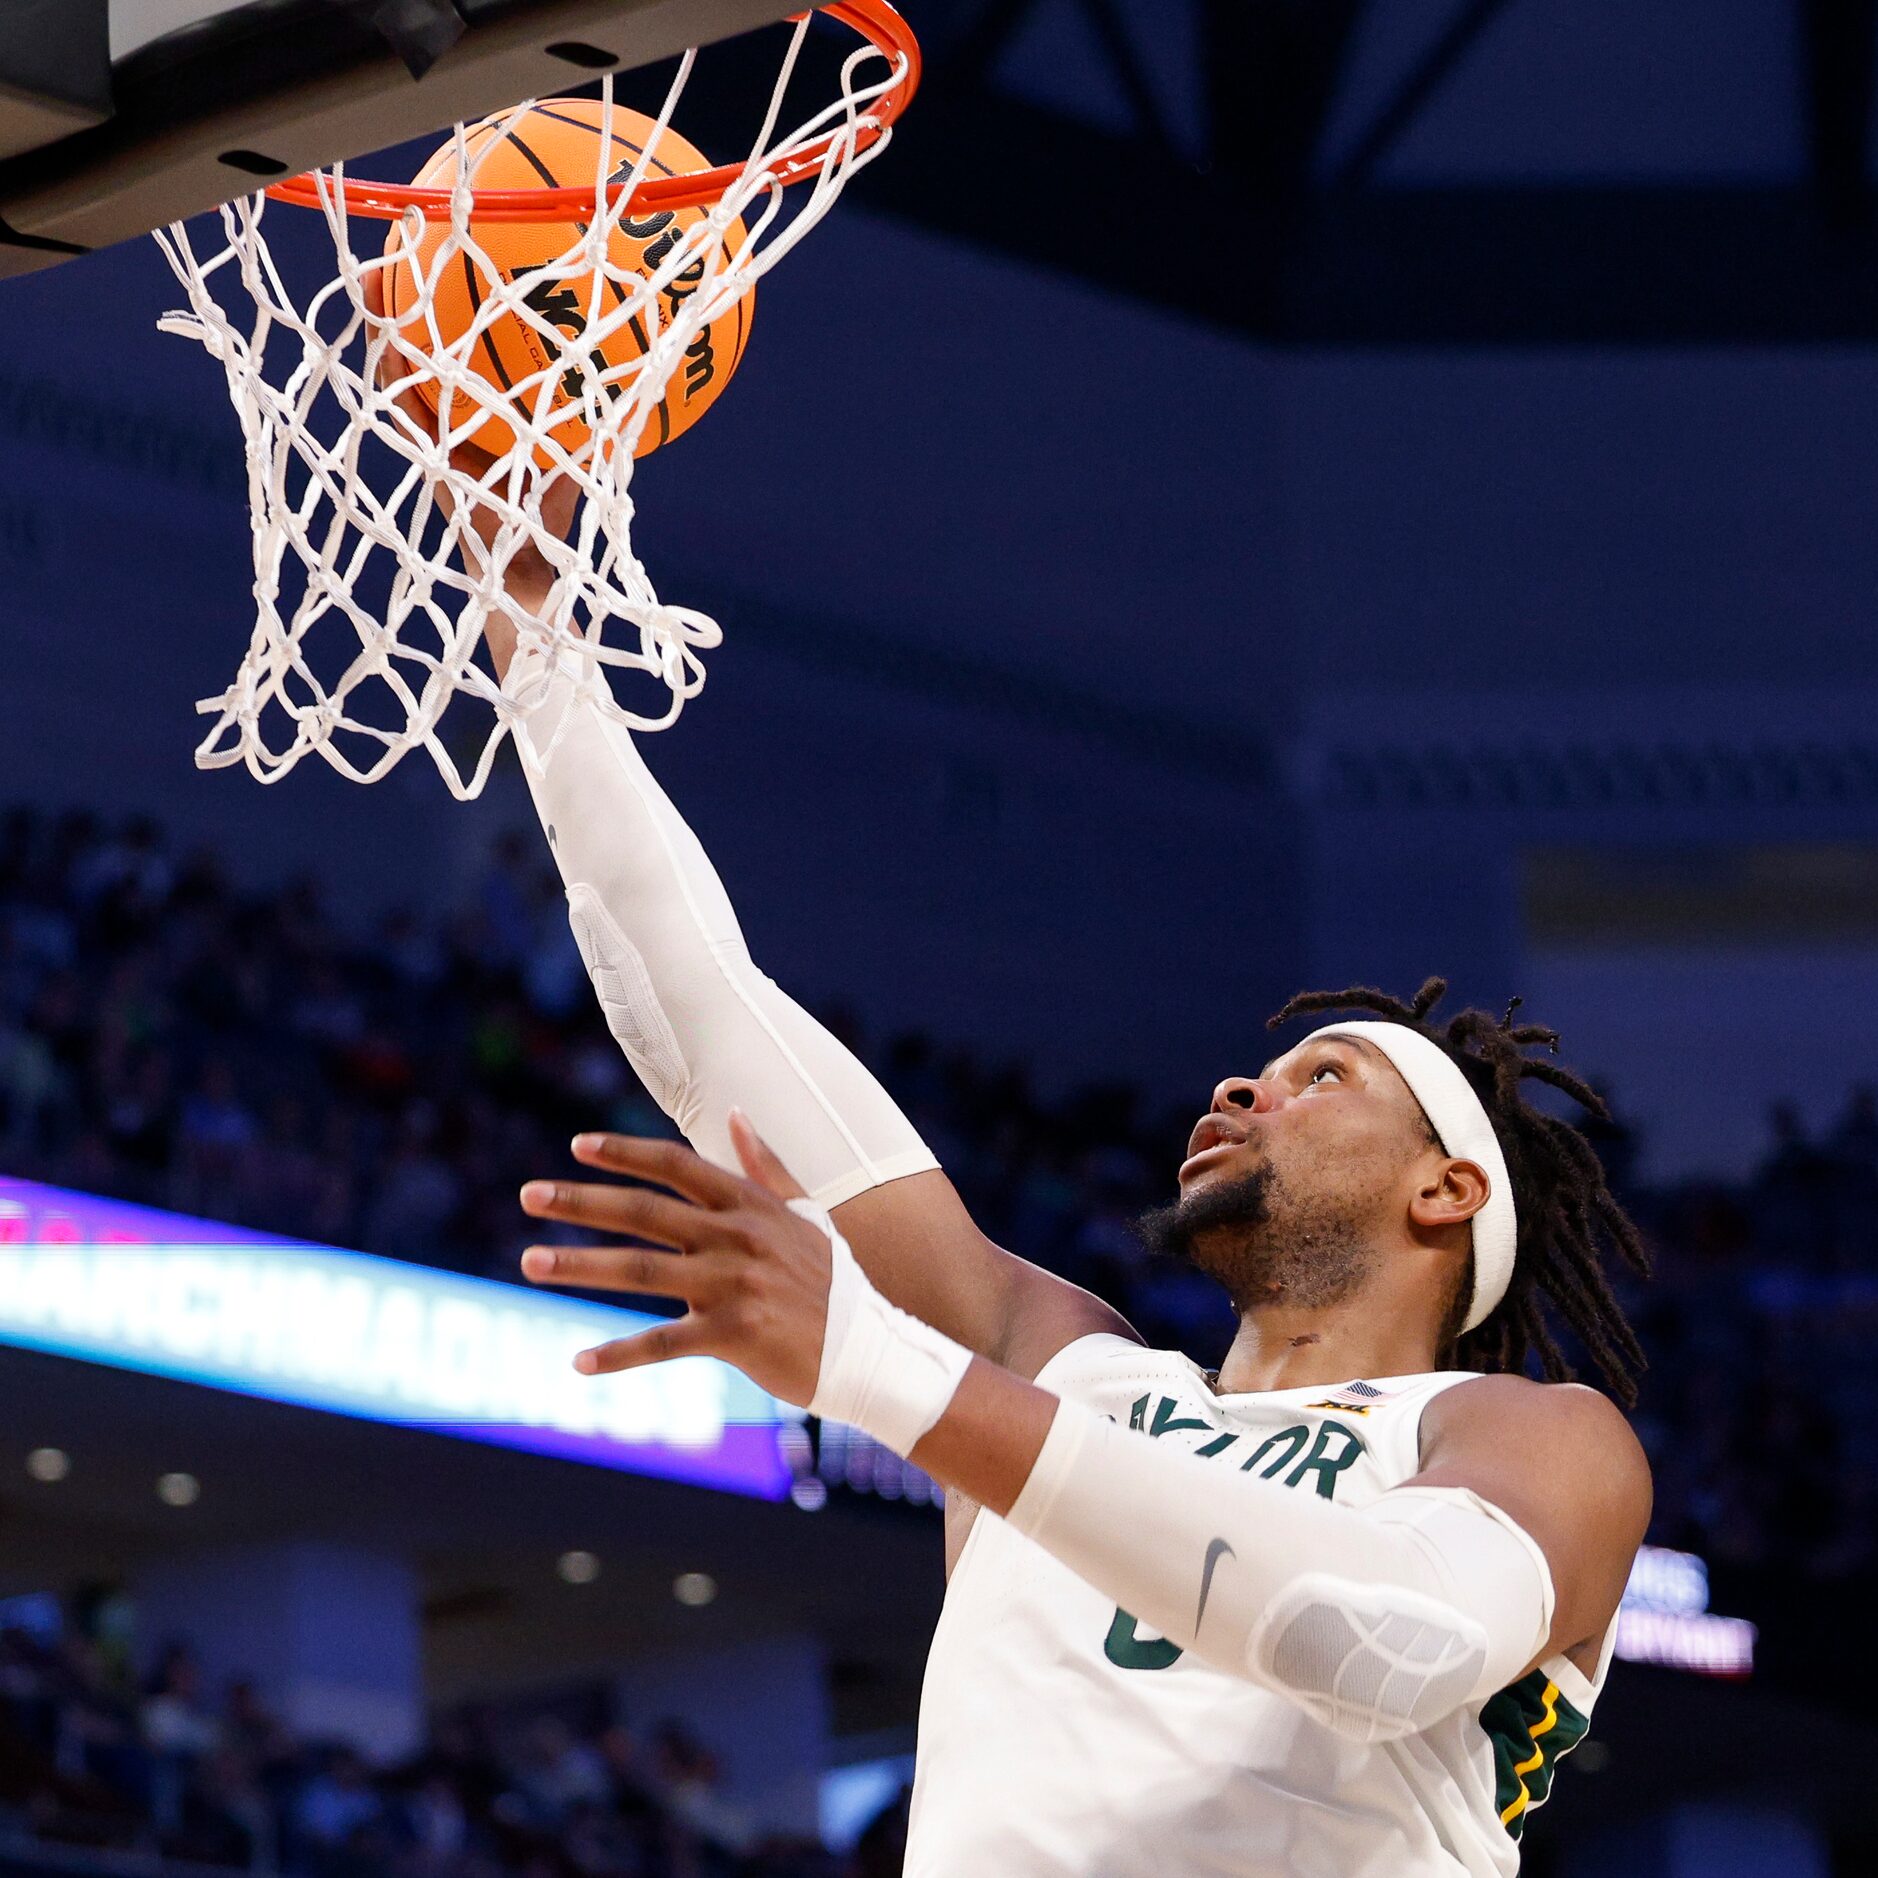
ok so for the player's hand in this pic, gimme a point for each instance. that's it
(528, 575)
(753, 1275)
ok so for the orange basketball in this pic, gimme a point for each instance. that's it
(556, 145)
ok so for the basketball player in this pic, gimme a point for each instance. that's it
(1333, 1611)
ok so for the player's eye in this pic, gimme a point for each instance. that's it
(1326, 1069)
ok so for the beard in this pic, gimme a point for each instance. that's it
(1263, 1241)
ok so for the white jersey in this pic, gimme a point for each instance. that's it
(1060, 1739)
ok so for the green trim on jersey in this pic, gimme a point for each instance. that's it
(1532, 1728)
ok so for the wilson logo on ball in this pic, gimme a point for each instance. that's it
(556, 144)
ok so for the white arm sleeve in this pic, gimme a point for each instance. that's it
(1378, 1621)
(702, 1027)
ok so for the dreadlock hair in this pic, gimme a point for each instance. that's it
(1566, 1211)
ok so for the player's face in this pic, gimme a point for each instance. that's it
(1295, 1177)
(1335, 1109)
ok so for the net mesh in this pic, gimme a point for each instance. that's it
(385, 540)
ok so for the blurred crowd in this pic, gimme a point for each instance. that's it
(167, 1038)
(90, 1759)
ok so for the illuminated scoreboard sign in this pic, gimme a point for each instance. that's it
(368, 1337)
(1665, 1618)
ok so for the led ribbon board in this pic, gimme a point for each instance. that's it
(368, 1337)
(1665, 1618)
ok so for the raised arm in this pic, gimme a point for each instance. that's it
(706, 1030)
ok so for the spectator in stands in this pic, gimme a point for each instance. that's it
(340, 1818)
(558, 1773)
(689, 1784)
(225, 1817)
(435, 1832)
(178, 1730)
(418, 1193)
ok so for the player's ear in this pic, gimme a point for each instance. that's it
(1450, 1195)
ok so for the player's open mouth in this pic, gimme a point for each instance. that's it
(1194, 1161)
(1214, 1136)
(1212, 1131)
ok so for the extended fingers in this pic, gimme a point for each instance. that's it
(670, 1163)
(689, 1277)
(637, 1212)
(681, 1336)
(760, 1160)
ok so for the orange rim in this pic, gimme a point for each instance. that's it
(874, 20)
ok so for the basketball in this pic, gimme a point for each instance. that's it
(556, 145)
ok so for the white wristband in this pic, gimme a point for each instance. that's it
(883, 1372)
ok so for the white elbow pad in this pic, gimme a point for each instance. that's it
(1377, 1660)
(1371, 1661)
(628, 1000)
(1378, 1621)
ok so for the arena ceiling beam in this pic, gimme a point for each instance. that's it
(1841, 49)
(1480, 266)
(1270, 71)
(1202, 184)
(1219, 205)
(1450, 47)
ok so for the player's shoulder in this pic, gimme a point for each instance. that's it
(1559, 1459)
(1101, 1357)
(1564, 1420)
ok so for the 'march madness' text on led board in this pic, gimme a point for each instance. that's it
(370, 1337)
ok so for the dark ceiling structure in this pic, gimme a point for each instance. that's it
(1206, 178)
(1222, 204)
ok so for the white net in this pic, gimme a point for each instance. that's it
(391, 530)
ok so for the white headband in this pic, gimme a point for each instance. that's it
(1455, 1114)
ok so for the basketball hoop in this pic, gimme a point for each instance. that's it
(372, 586)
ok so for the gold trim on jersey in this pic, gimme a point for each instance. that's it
(1536, 1760)
(1532, 1725)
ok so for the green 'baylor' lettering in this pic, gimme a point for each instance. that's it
(1325, 1465)
(1335, 1448)
(1295, 1438)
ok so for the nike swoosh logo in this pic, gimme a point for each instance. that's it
(1214, 1553)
